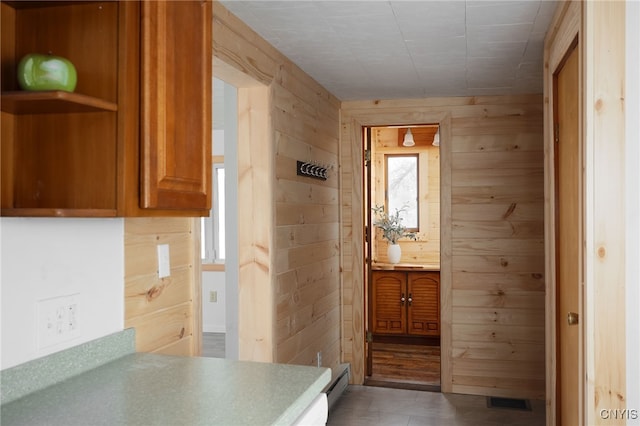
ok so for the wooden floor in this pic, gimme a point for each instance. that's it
(407, 365)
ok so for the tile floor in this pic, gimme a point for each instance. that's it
(377, 406)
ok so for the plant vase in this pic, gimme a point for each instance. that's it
(394, 253)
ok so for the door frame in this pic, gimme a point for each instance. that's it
(574, 48)
(354, 271)
(563, 33)
(370, 234)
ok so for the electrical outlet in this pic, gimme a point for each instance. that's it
(213, 296)
(58, 320)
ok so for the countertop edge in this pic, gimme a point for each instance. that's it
(305, 399)
(32, 376)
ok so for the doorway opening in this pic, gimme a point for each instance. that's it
(219, 231)
(402, 186)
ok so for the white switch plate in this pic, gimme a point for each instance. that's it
(164, 266)
(58, 320)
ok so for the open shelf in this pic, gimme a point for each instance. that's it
(55, 101)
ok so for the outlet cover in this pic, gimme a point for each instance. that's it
(58, 320)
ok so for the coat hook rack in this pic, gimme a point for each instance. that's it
(313, 170)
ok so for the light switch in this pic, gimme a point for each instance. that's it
(164, 265)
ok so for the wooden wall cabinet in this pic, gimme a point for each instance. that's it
(134, 139)
(406, 303)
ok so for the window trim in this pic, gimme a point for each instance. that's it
(415, 155)
(209, 224)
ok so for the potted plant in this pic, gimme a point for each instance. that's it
(392, 230)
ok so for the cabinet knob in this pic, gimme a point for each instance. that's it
(410, 299)
(402, 299)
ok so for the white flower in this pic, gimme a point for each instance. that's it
(391, 225)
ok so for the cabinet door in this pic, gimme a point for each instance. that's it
(424, 307)
(176, 105)
(389, 310)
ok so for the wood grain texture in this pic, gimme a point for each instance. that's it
(415, 364)
(563, 31)
(491, 236)
(290, 237)
(255, 233)
(426, 248)
(176, 103)
(164, 311)
(604, 133)
(79, 153)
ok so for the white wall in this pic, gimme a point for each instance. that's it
(633, 208)
(232, 339)
(52, 257)
(213, 313)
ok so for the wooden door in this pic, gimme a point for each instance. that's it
(388, 299)
(176, 105)
(423, 312)
(568, 237)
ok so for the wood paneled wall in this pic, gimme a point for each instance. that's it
(492, 242)
(165, 312)
(605, 205)
(426, 248)
(297, 246)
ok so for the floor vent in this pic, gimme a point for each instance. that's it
(509, 403)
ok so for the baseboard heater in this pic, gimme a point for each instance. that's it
(338, 384)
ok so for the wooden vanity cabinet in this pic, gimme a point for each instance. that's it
(406, 303)
(134, 138)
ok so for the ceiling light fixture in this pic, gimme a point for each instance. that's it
(408, 139)
(436, 138)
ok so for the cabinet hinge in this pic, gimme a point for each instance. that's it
(369, 337)
(367, 157)
(556, 133)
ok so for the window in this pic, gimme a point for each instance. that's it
(213, 227)
(402, 188)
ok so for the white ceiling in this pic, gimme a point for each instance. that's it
(362, 50)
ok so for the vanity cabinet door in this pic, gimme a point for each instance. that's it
(423, 304)
(389, 310)
(176, 105)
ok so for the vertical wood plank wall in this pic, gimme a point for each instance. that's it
(301, 270)
(164, 311)
(605, 279)
(493, 238)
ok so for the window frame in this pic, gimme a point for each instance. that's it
(210, 236)
(416, 156)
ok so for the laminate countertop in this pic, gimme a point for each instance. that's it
(151, 389)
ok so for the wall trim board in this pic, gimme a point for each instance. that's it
(605, 139)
